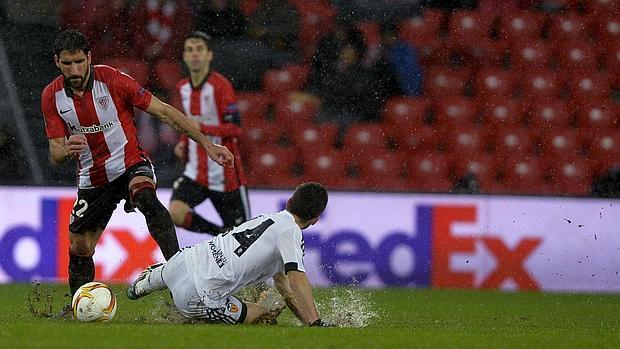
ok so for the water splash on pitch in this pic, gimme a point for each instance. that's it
(164, 311)
(349, 307)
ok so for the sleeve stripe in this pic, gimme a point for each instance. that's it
(290, 266)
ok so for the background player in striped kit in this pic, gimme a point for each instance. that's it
(88, 113)
(209, 99)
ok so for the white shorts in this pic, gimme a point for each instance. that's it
(195, 305)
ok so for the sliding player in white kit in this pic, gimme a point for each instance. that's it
(204, 277)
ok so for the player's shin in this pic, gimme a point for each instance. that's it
(81, 271)
(197, 223)
(158, 220)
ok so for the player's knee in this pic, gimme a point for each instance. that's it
(178, 212)
(82, 248)
(144, 198)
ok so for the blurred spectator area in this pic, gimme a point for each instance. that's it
(510, 97)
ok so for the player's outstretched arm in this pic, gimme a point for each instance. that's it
(181, 123)
(296, 290)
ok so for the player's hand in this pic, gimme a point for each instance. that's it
(180, 150)
(221, 155)
(76, 144)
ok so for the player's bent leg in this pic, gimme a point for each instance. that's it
(184, 216)
(143, 197)
(198, 309)
(150, 280)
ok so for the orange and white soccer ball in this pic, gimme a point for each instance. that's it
(94, 301)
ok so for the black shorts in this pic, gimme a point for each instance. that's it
(94, 207)
(232, 206)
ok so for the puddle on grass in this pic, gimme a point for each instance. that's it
(349, 307)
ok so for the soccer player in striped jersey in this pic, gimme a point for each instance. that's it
(204, 277)
(88, 113)
(208, 98)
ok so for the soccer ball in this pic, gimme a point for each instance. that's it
(94, 301)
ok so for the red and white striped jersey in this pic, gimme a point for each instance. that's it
(214, 104)
(104, 114)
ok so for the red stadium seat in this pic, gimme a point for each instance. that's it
(466, 27)
(521, 25)
(465, 141)
(485, 53)
(442, 82)
(454, 111)
(263, 135)
(168, 74)
(418, 31)
(405, 111)
(136, 68)
(371, 32)
(498, 7)
(315, 138)
(252, 106)
(285, 80)
(513, 142)
(546, 115)
(527, 56)
(316, 19)
(271, 167)
(248, 7)
(492, 82)
(421, 138)
(295, 109)
(364, 138)
(604, 150)
(483, 166)
(568, 27)
(571, 176)
(588, 85)
(542, 85)
(560, 143)
(595, 117)
(502, 112)
(429, 171)
(606, 26)
(524, 175)
(328, 167)
(383, 171)
(610, 55)
(576, 56)
(601, 7)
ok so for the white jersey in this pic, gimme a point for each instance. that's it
(252, 252)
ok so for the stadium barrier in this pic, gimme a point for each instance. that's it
(368, 239)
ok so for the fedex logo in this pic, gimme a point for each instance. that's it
(52, 239)
(509, 261)
(346, 254)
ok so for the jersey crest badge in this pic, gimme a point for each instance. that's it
(103, 102)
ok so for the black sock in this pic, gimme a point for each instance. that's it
(81, 271)
(158, 221)
(201, 225)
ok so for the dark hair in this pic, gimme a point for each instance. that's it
(199, 35)
(308, 201)
(72, 41)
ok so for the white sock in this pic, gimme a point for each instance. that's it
(156, 279)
